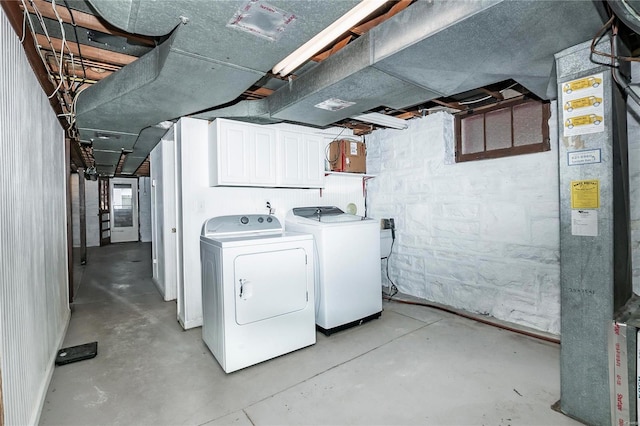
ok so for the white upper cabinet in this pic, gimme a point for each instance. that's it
(301, 162)
(262, 156)
(241, 154)
(244, 154)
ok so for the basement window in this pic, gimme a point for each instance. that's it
(514, 128)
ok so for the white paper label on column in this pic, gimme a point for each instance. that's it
(583, 105)
(584, 223)
(354, 148)
(587, 156)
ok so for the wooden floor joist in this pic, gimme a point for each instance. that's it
(88, 52)
(84, 20)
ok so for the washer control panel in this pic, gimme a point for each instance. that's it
(253, 223)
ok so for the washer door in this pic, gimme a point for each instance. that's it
(269, 284)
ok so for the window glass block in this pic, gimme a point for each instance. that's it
(498, 132)
(472, 134)
(527, 124)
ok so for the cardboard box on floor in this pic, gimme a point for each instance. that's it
(347, 155)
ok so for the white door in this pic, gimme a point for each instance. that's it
(124, 210)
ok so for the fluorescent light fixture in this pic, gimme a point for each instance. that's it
(381, 119)
(326, 36)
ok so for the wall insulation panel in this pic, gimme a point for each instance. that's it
(33, 242)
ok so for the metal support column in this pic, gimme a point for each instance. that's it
(594, 227)
(67, 156)
(83, 217)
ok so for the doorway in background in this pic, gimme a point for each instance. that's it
(104, 210)
(124, 210)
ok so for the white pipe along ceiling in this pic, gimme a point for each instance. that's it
(203, 64)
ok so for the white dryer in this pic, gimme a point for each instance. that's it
(257, 289)
(348, 246)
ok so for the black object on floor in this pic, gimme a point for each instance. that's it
(77, 353)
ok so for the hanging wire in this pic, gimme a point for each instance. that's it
(62, 48)
(61, 90)
(24, 25)
(40, 18)
(609, 24)
(393, 289)
(75, 31)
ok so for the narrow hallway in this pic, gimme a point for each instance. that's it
(412, 366)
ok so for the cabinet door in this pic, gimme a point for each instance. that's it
(234, 147)
(313, 161)
(291, 157)
(262, 156)
(301, 159)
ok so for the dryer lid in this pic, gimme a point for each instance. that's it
(325, 214)
(313, 212)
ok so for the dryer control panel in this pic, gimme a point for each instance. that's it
(241, 224)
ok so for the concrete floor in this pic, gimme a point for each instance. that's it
(413, 366)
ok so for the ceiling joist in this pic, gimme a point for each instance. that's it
(335, 48)
(398, 7)
(88, 52)
(84, 20)
(452, 105)
(495, 95)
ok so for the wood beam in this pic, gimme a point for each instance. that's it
(258, 92)
(76, 155)
(336, 47)
(89, 52)
(407, 115)
(495, 95)
(85, 20)
(120, 164)
(91, 72)
(143, 169)
(453, 105)
(398, 7)
(100, 65)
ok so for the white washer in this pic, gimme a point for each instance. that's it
(257, 289)
(348, 246)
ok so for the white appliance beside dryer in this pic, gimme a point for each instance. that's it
(348, 246)
(257, 289)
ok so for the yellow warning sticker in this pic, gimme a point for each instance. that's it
(585, 194)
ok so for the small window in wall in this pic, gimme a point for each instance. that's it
(514, 128)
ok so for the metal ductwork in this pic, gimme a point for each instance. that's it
(201, 63)
(435, 49)
(431, 49)
(256, 112)
(628, 11)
